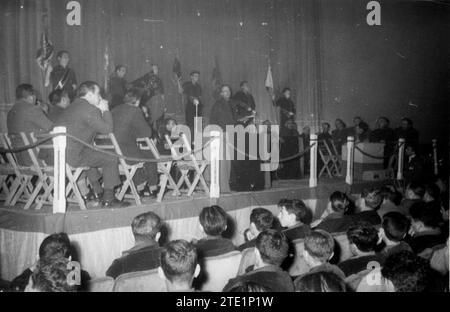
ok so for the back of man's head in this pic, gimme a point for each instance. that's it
(146, 226)
(295, 206)
(179, 261)
(407, 272)
(425, 213)
(364, 236)
(392, 195)
(56, 96)
(373, 198)
(319, 245)
(132, 95)
(23, 91)
(55, 246)
(339, 202)
(51, 275)
(261, 218)
(395, 226)
(320, 282)
(272, 247)
(213, 219)
(416, 189)
(86, 87)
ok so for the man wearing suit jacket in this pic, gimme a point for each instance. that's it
(129, 125)
(86, 117)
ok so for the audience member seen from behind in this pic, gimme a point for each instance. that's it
(319, 249)
(339, 218)
(179, 266)
(213, 222)
(393, 232)
(391, 200)
(52, 275)
(411, 273)
(144, 255)
(261, 219)
(320, 282)
(413, 194)
(295, 218)
(53, 247)
(271, 250)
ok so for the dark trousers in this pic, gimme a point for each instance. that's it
(97, 160)
(147, 174)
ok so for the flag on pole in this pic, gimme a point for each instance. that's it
(106, 68)
(269, 79)
(216, 79)
(176, 68)
(45, 52)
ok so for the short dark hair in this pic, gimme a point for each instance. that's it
(286, 89)
(262, 218)
(364, 235)
(146, 225)
(417, 189)
(133, 93)
(86, 87)
(272, 246)
(178, 260)
(60, 53)
(338, 202)
(51, 275)
(395, 226)
(320, 245)
(320, 282)
(433, 190)
(372, 198)
(341, 121)
(364, 126)
(248, 286)
(409, 121)
(426, 214)
(243, 83)
(194, 72)
(55, 246)
(24, 90)
(56, 96)
(213, 220)
(385, 119)
(119, 67)
(391, 194)
(297, 207)
(407, 272)
(327, 124)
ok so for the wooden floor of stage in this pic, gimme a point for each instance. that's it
(277, 186)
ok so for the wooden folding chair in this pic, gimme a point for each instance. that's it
(326, 159)
(73, 194)
(7, 173)
(164, 166)
(188, 164)
(28, 191)
(125, 169)
(334, 156)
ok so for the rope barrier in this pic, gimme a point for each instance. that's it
(298, 155)
(48, 137)
(379, 157)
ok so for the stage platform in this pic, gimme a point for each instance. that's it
(100, 235)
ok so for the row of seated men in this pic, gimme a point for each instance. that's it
(86, 117)
(406, 239)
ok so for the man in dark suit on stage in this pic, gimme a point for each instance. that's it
(26, 117)
(129, 125)
(222, 114)
(62, 77)
(245, 101)
(86, 117)
(193, 94)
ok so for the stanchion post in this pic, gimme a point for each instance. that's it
(350, 160)
(59, 151)
(313, 160)
(401, 153)
(435, 158)
(214, 191)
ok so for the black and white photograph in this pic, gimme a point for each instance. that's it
(213, 147)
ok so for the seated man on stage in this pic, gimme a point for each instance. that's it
(86, 117)
(26, 117)
(145, 254)
(59, 100)
(129, 125)
(245, 103)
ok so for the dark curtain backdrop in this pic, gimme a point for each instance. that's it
(242, 34)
